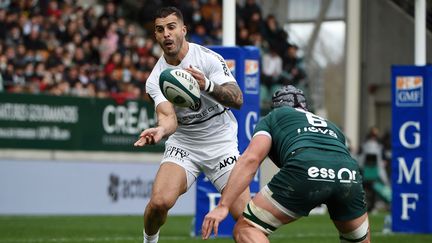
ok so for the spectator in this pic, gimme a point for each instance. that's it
(372, 167)
(125, 46)
(110, 12)
(113, 63)
(255, 24)
(99, 81)
(3, 30)
(200, 36)
(210, 8)
(53, 9)
(275, 36)
(270, 75)
(243, 37)
(79, 57)
(109, 43)
(128, 69)
(146, 12)
(14, 36)
(55, 57)
(215, 29)
(293, 71)
(249, 9)
(189, 8)
(21, 57)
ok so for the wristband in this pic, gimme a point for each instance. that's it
(209, 85)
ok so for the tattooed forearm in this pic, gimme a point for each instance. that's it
(228, 94)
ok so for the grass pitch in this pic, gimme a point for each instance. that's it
(127, 229)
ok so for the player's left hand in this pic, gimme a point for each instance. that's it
(212, 220)
(198, 75)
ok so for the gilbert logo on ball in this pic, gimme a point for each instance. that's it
(180, 88)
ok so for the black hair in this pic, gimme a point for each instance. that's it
(166, 11)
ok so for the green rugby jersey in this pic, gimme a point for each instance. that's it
(291, 129)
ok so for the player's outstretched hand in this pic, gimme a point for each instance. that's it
(150, 136)
(212, 220)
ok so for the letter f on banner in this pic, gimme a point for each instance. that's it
(406, 205)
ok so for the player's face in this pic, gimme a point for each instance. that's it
(170, 33)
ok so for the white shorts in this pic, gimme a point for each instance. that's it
(195, 160)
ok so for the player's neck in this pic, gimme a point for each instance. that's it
(177, 59)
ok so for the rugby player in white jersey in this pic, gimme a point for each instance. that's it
(199, 138)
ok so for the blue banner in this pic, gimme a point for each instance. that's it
(244, 64)
(412, 148)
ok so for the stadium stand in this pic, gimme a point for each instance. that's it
(62, 47)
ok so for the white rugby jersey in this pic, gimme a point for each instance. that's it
(210, 124)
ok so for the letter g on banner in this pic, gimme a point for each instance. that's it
(402, 134)
(251, 121)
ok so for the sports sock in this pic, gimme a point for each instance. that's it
(151, 238)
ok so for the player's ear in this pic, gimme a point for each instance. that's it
(184, 30)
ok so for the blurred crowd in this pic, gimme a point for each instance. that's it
(61, 47)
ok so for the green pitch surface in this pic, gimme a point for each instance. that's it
(126, 229)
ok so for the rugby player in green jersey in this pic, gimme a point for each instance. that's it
(315, 168)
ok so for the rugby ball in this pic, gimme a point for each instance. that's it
(180, 87)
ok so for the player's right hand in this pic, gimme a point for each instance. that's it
(149, 136)
(212, 220)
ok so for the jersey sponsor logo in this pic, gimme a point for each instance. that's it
(224, 66)
(223, 63)
(342, 175)
(228, 161)
(179, 153)
(409, 91)
(199, 116)
(324, 131)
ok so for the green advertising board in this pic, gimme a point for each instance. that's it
(73, 123)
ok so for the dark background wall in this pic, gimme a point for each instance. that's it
(387, 39)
